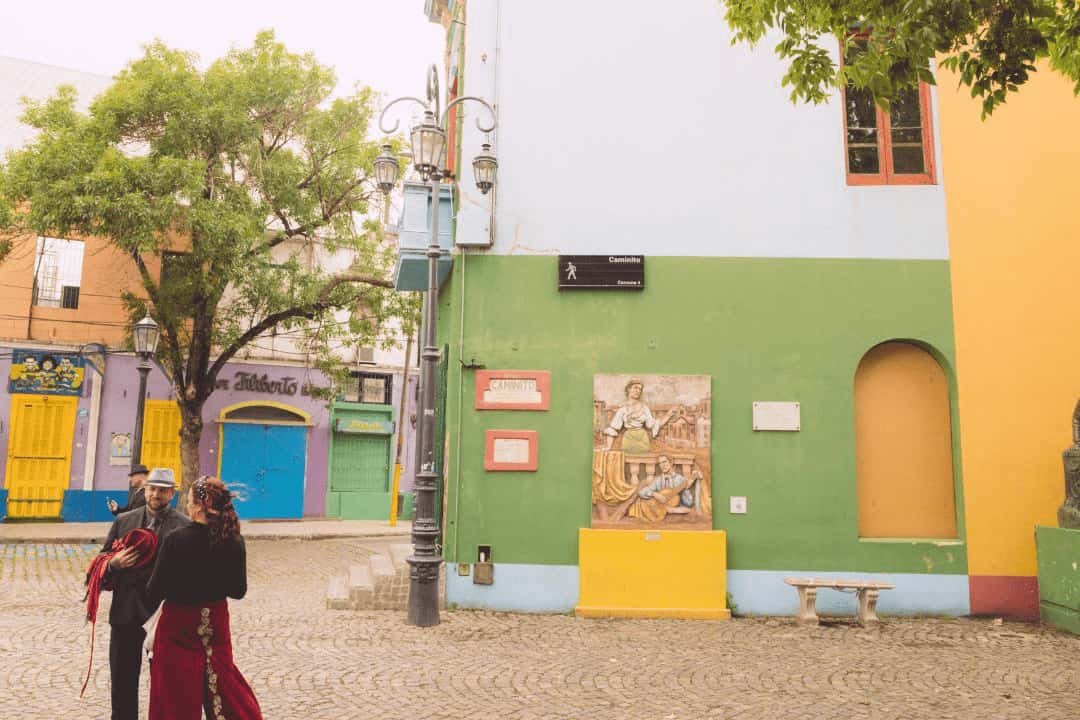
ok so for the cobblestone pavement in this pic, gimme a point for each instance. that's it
(307, 662)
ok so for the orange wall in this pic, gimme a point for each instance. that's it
(100, 315)
(1011, 188)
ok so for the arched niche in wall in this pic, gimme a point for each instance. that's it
(903, 445)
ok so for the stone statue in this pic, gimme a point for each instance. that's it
(1069, 512)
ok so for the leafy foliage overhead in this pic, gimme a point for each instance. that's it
(237, 181)
(249, 168)
(992, 45)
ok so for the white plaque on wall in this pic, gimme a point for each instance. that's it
(511, 450)
(777, 416)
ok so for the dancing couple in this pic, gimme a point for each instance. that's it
(154, 554)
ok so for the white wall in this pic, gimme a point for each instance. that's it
(37, 81)
(288, 346)
(637, 128)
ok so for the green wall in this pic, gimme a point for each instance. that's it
(764, 329)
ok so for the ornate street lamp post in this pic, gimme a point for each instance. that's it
(146, 340)
(428, 150)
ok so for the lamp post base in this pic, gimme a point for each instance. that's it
(423, 591)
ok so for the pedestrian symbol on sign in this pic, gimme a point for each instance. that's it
(571, 271)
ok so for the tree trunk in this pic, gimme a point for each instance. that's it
(191, 427)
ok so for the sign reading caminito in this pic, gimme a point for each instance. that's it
(606, 272)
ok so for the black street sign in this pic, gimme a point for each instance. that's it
(608, 272)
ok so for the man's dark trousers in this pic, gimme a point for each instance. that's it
(130, 610)
(125, 665)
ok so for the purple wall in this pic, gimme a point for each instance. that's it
(117, 415)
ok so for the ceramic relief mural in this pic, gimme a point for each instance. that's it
(651, 464)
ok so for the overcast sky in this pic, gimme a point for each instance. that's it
(385, 44)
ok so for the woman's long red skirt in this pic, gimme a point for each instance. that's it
(193, 667)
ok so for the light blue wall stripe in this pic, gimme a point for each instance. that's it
(555, 588)
(764, 592)
(517, 588)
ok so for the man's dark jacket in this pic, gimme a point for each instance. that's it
(136, 498)
(129, 602)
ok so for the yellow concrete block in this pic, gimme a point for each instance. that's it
(653, 574)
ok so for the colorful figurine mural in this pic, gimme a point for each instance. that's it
(45, 373)
(651, 464)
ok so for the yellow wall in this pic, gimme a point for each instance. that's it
(903, 445)
(1012, 187)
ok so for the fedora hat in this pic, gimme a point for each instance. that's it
(161, 477)
(138, 469)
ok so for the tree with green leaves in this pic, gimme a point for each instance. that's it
(249, 168)
(992, 45)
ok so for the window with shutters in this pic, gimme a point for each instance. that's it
(887, 147)
(57, 273)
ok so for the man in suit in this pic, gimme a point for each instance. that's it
(130, 605)
(136, 492)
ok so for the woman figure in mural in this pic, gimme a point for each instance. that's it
(636, 422)
(198, 567)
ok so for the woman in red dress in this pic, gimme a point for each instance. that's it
(197, 568)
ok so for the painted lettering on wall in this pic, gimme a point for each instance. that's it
(256, 383)
(253, 382)
(513, 390)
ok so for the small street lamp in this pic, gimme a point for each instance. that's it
(428, 154)
(484, 167)
(146, 339)
(386, 169)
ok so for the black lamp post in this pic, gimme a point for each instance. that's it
(428, 141)
(146, 340)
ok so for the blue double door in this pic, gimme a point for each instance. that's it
(265, 463)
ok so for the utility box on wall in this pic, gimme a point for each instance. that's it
(414, 233)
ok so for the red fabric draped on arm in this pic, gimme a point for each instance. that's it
(145, 542)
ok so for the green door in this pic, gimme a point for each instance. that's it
(360, 477)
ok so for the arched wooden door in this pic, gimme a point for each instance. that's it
(264, 456)
(903, 445)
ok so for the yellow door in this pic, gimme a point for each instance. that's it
(39, 454)
(161, 436)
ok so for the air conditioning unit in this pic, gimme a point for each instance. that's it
(69, 297)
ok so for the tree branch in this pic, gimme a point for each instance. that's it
(309, 312)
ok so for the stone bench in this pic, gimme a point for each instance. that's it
(866, 595)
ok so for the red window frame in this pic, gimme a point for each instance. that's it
(886, 174)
